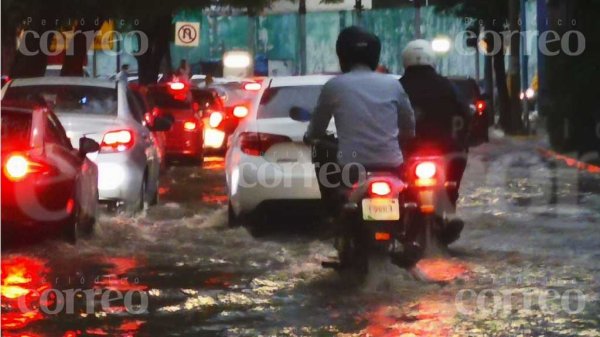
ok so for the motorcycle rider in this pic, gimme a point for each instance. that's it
(372, 113)
(441, 119)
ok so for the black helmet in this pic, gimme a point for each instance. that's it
(357, 46)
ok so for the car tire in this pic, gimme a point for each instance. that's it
(233, 221)
(153, 200)
(71, 230)
(256, 224)
(90, 223)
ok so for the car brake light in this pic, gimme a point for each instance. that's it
(189, 126)
(425, 170)
(240, 111)
(117, 141)
(380, 188)
(480, 105)
(256, 144)
(215, 119)
(16, 167)
(176, 86)
(252, 86)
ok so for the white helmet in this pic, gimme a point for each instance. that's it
(418, 53)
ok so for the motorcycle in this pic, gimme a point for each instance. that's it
(399, 212)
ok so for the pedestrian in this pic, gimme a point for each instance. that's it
(184, 71)
(123, 75)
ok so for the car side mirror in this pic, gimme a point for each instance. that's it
(87, 145)
(161, 123)
(300, 114)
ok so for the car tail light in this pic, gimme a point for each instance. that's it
(480, 106)
(382, 236)
(240, 111)
(252, 86)
(189, 126)
(215, 119)
(17, 167)
(176, 86)
(256, 144)
(380, 188)
(117, 141)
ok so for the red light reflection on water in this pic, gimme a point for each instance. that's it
(429, 317)
(441, 270)
(23, 282)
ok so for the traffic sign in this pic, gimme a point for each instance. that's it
(187, 34)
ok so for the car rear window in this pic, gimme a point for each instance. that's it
(161, 98)
(277, 102)
(16, 130)
(70, 98)
(206, 99)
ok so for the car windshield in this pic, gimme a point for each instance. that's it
(16, 130)
(161, 98)
(277, 102)
(70, 98)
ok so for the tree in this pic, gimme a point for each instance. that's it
(494, 15)
(154, 17)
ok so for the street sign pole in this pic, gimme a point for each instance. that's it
(524, 62)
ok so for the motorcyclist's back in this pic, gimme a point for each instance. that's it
(371, 110)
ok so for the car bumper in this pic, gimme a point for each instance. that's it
(185, 143)
(255, 181)
(120, 176)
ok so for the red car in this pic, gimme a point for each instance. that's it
(47, 186)
(185, 140)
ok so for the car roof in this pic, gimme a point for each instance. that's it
(13, 108)
(287, 81)
(63, 80)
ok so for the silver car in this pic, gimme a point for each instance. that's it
(107, 112)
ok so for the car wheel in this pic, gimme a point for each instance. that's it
(90, 222)
(153, 200)
(71, 230)
(233, 220)
(257, 224)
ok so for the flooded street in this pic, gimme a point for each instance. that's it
(527, 264)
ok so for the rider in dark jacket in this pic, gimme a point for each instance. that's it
(441, 119)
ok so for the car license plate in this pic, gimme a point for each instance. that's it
(381, 209)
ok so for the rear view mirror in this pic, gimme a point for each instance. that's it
(300, 114)
(87, 145)
(161, 123)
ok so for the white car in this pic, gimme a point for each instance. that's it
(107, 112)
(53, 70)
(267, 165)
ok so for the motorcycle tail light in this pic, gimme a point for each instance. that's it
(480, 106)
(240, 111)
(256, 144)
(380, 188)
(215, 119)
(117, 141)
(425, 170)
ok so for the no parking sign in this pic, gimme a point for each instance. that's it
(187, 34)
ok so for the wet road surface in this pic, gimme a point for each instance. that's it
(528, 264)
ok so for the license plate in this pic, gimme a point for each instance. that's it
(381, 209)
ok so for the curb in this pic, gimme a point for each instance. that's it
(569, 161)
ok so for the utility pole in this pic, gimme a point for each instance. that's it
(514, 123)
(302, 36)
(524, 63)
(418, 34)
